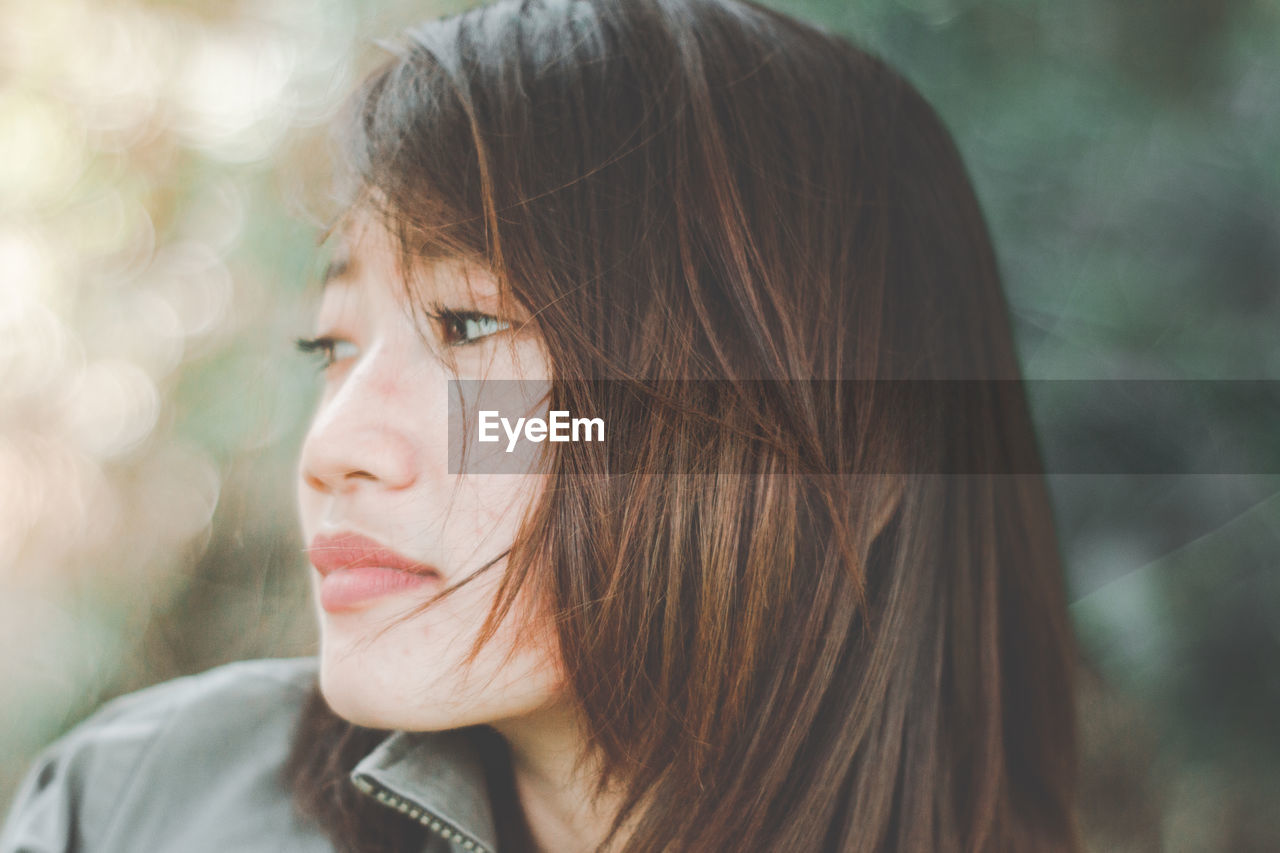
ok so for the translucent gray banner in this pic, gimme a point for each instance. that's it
(928, 426)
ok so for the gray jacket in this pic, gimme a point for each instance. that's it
(193, 766)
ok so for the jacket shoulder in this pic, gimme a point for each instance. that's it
(205, 694)
(164, 764)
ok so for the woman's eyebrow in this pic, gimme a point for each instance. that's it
(337, 268)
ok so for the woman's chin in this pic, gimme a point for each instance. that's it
(359, 694)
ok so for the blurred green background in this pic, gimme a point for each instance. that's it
(163, 175)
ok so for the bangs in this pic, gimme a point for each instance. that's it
(408, 155)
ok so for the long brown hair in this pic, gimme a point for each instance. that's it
(871, 654)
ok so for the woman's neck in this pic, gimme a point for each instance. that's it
(555, 796)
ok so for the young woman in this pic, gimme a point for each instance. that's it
(805, 596)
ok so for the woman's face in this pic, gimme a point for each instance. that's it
(386, 523)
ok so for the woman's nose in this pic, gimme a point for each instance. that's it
(359, 438)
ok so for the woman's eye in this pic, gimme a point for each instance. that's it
(458, 328)
(331, 350)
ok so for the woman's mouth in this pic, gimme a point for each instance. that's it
(355, 570)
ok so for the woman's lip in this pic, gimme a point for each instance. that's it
(351, 588)
(354, 551)
(355, 569)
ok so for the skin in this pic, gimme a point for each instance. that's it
(374, 462)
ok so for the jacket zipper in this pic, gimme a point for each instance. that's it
(430, 820)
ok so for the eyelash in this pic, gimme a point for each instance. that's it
(446, 317)
(324, 345)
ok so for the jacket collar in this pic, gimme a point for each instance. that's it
(436, 778)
